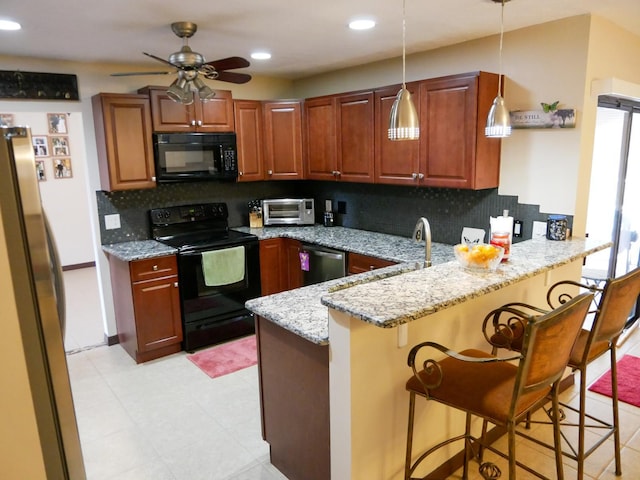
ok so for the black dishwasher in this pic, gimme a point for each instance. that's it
(321, 264)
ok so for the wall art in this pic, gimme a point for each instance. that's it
(550, 116)
(6, 120)
(57, 123)
(60, 146)
(62, 168)
(40, 171)
(40, 145)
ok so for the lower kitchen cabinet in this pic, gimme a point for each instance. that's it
(358, 263)
(147, 306)
(279, 265)
(294, 406)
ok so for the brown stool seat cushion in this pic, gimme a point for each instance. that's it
(484, 389)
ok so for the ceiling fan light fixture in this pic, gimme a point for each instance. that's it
(498, 119)
(404, 123)
(204, 92)
(180, 91)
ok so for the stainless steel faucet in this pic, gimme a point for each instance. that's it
(423, 226)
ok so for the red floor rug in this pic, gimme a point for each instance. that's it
(226, 358)
(628, 381)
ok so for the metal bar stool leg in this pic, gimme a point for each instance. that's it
(412, 409)
(616, 416)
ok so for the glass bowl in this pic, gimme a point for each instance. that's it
(480, 257)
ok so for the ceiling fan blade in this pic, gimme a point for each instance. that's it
(130, 74)
(229, 63)
(231, 77)
(160, 59)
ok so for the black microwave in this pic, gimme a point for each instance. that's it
(184, 157)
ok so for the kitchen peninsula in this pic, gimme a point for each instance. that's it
(346, 392)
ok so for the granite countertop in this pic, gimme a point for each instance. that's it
(366, 296)
(138, 250)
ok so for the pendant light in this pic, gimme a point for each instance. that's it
(403, 119)
(498, 120)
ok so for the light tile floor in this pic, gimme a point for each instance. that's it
(166, 420)
(161, 420)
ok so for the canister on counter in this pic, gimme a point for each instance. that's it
(557, 227)
(501, 239)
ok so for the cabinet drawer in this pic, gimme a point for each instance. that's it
(151, 268)
(362, 263)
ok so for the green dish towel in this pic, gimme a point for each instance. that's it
(223, 267)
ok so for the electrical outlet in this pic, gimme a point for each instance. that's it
(539, 229)
(342, 207)
(111, 222)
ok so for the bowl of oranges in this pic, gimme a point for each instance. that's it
(481, 257)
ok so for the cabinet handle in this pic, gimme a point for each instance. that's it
(371, 267)
(270, 172)
(199, 123)
(421, 176)
(193, 123)
(153, 179)
(154, 268)
(175, 284)
(337, 173)
(240, 173)
(414, 176)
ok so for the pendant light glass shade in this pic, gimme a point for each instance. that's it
(499, 120)
(404, 123)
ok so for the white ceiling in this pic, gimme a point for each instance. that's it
(305, 37)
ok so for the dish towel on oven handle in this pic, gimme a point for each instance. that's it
(223, 267)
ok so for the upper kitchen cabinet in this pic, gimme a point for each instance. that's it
(215, 115)
(123, 138)
(454, 151)
(339, 137)
(249, 136)
(282, 140)
(396, 162)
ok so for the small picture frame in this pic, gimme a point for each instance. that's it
(60, 146)
(41, 174)
(62, 168)
(57, 123)
(6, 119)
(40, 145)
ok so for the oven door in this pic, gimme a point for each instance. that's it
(213, 314)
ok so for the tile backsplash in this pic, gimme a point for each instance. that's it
(382, 208)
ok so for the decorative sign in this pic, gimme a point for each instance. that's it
(549, 117)
(38, 86)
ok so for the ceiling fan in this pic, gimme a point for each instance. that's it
(190, 66)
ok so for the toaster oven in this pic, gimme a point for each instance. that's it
(288, 211)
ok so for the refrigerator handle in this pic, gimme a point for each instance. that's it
(56, 272)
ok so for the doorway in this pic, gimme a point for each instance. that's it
(615, 191)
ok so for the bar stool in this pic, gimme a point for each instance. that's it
(494, 389)
(617, 298)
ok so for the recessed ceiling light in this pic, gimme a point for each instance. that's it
(261, 55)
(362, 24)
(9, 25)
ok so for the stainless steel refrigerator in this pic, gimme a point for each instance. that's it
(39, 294)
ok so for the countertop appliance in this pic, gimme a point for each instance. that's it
(212, 311)
(288, 211)
(322, 264)
(186, 157)
(39, 296)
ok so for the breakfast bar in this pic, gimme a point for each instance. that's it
(355, 377)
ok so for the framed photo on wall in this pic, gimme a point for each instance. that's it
(62, 168)
(6, 119)
(40, 172)
(40, 145)
(57, 123)
(60, 146)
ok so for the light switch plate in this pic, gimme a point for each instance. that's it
(111, 222)
(539, 229)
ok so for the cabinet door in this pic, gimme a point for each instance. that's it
(355, 132)
(363, 263)
(157, 312)
(396, 162)
(321, 161)
(273, 276)
(215, 115)
(292, 257)
(248, 119)
(123, 138)
(283, 140)
(170, 116)
(452, 142)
